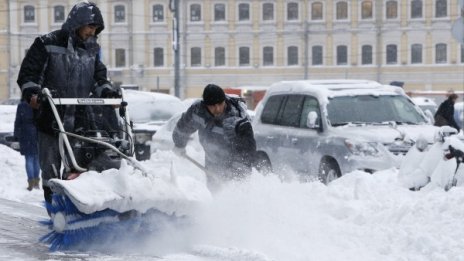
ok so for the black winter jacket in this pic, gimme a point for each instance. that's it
(228, 141)
(446, 110)
(66, 65)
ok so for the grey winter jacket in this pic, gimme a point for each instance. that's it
(228, 141)
(66, 65)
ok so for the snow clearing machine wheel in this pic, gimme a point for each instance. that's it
(328, 170)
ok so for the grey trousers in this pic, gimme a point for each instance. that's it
(50, 161)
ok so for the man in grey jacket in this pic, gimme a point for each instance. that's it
(66, 61)
(225, 133)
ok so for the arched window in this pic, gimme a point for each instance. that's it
(195, 13)
(29, 14)
(119, 14)
(317, 11)
(158, 13)
(366, 10)
(366, 56)
(292, 55)
(58, 14)
(416, 53)
(342, 10)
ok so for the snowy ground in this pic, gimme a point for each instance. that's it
(357, 217)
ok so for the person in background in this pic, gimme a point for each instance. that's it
(445, 113)
(225, 133)
(66, 61)
(26, 133)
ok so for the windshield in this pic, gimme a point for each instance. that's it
(372, 109)
(157, 111)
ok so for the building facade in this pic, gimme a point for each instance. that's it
(254, 42)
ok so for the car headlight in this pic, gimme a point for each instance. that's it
(362, 148)
(142, 137)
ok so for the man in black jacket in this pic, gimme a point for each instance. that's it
(225, 132)
(445, 113)
(66, 61)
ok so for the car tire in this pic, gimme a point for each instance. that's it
(262, 163)
(328, 170)
(142, 152)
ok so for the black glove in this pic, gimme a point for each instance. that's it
(243, 127)
(29, 92)
(111, 93)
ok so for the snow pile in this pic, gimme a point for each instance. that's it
(13, 178)
(357, 217)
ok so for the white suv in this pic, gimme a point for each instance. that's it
(330, 127)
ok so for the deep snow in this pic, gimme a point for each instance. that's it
(357, 217)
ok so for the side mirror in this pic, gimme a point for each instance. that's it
(312, 120)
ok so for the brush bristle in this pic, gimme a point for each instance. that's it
(85, 231)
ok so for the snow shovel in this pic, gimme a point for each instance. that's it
(212, 181)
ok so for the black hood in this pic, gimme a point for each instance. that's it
(84, 13)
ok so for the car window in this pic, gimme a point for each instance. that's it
(372, 109)
(291, 112)
(271, 109)
(310, 104)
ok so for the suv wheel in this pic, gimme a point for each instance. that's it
(329, 170)
(262, 163)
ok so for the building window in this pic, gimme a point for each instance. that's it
(366, 56)
(292, 11)
(316, 11)
(292, 55)
(342, 55)
(195, 13)
(243, 12)
(268, 12)
(268, 56)
(366, 10)
(219, 12)
(29, 14)
(392, 54)
(416, 53)
(158, 57)
(195, 56)
(416, 9)
(342, 10)
(119, 14)
(58, 14)
(392, 9)
(120, 58)
(158, 13)
(441, 8)
(244, 56)
(219, 56)
(316, 54)
(440, 53)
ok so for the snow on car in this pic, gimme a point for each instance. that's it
(148, 111)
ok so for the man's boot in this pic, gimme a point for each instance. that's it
(36, 183)
(30, 183)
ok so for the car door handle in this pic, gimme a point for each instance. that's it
(294, 140)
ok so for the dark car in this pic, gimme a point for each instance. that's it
(7, 118)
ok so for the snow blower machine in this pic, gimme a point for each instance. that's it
(103, 193)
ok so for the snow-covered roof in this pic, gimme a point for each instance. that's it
(331, 88)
